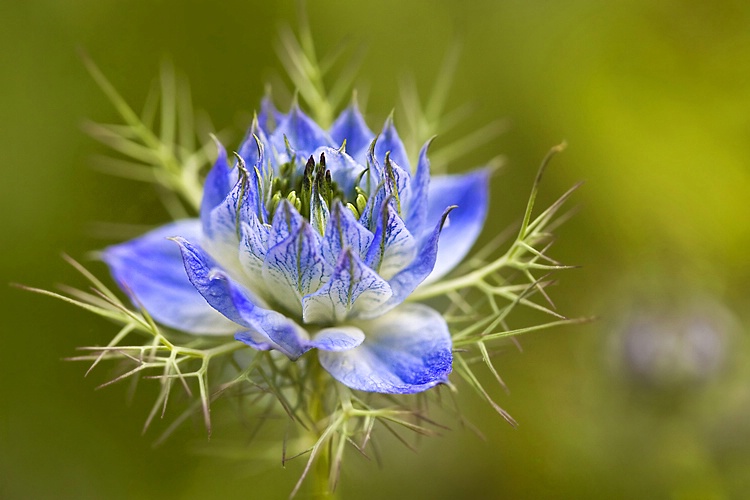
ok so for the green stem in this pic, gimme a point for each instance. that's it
(465, 281)
(322, 468)
(321, 473)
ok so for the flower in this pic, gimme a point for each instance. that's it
(315, 240)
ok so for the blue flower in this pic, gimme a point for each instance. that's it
(314, 239)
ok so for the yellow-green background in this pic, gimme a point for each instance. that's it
(654, 102)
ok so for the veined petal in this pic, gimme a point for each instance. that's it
(344, 231)
(405, 351)
(256, 340)
(353, 290)
(303, 134)
(283, 333)
(409, 278)
(252, 149)
(252, 251)
(344, 170)
(239, 304)
(224, 228)
(286, 221)
(219, 182)
(373, 208)
(389, 141)
(150, 270)
(416, 211)
(382, 182)
(374, 165)
(393, 246)
(295, 267)
(470, 193)
(203, 273)
(338, 338)
(397, 184)
(350, 126)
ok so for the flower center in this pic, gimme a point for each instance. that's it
(311, 190)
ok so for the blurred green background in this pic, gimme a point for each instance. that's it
(650, 401)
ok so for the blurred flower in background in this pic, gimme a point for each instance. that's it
(675, 347)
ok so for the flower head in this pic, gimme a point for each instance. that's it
(314, 239)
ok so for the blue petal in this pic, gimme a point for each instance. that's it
(416, 212)
(470, 192)
(252, 251)
(407, 280)
(295, 267)
(350, 126)
(219, 182)
(382, 182)
(373, 183)
(338, 338)
(286, 221)
(224, 226)
(405, 351)
(269, 116)
(344, 170)
(388, 140)
(393, 246)
(397, 183)
(252, 149)
(344, 231)
(283, 333)
(303, 134)
(353, 290)
(150, 270)
(373, 208)
(202, 271)
(256, 340)
(374, 165)
(239, 304)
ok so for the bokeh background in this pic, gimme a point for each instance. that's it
(650, 401)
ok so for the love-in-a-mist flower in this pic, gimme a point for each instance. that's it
(315, 240)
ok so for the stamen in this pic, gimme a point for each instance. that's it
(392, 184)
(306, 191)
